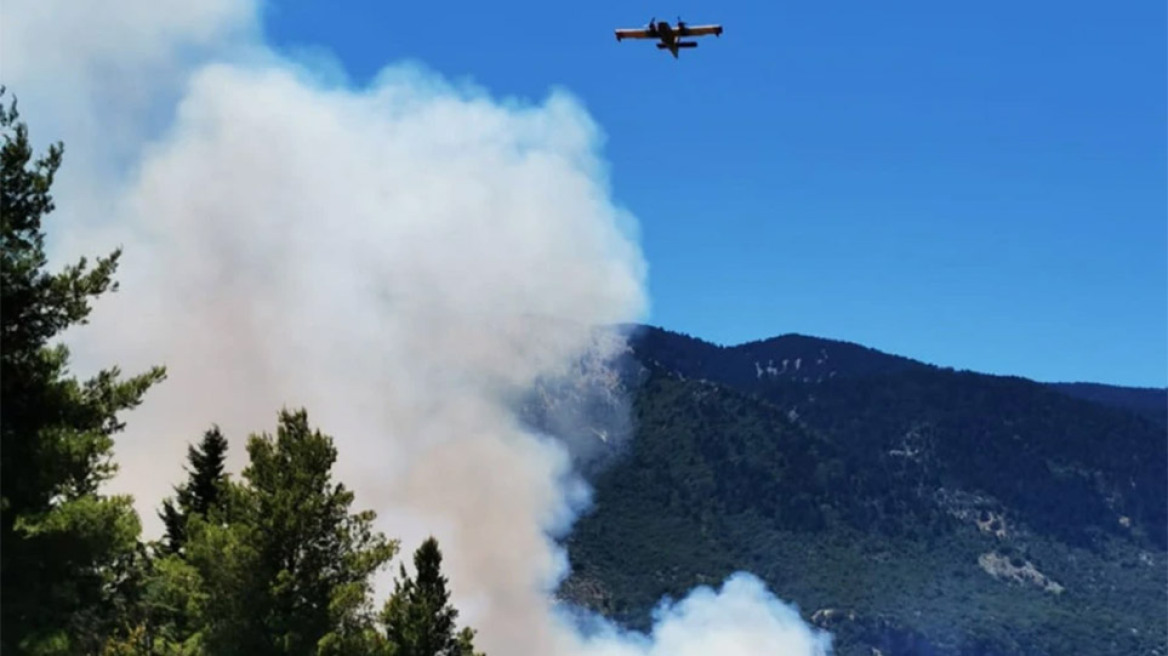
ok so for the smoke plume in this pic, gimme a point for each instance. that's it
(407, 260)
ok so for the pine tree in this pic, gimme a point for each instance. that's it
(291, 572)
(201, 493)
(65, 546)
(207, 462)
(418, 617)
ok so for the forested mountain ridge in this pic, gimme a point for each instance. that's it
(1068, 464)
(802, 358)
(910, 508)
(789, 357)
(1150, 402)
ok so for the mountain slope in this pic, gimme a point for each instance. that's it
(787, 357)
(800, 358)
(910, 508)
(1069, 466)
(1146, 401)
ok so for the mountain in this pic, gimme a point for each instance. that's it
(1147, 401)
(910, 508)
(796, 357)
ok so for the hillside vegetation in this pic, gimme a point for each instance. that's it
(909, 508)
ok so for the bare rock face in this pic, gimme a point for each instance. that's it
(828, 616)
(1017, 570)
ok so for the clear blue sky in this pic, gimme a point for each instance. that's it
(979, 184)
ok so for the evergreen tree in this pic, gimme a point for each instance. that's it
(163, 613)
(202, 491)
(290, 573)
(418, 617)
(175, 522)
(65, 546)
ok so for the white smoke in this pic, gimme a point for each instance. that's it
(741, 619)
(403, 260)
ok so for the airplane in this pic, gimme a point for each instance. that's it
(670, 37)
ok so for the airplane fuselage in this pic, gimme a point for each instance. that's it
(665, 32)
(671, 38)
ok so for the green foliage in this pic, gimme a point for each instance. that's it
(292, 568)
(202, 491)
(65, 546)
(418, 617)
(273, 564)
(278, 564)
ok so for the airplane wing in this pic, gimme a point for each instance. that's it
(700, 30)
(633, 34)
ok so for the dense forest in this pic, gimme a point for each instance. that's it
(276, 562)
(908, 508)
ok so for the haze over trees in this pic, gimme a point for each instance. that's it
(277, 562)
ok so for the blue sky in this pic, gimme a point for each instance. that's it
(979, 185)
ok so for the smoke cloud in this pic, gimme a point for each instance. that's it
(406, 260)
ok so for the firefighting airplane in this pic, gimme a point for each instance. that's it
(670, 37)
